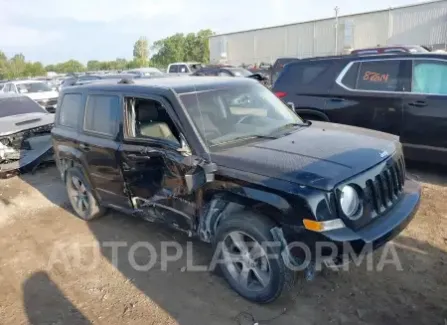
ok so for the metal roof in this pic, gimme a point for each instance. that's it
(179, 84)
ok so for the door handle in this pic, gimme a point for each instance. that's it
(84, 146)
(418, 103)
(133, 156)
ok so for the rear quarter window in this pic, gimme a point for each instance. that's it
(300, 74)
(102, 114)
(70, 110)
(379, 75)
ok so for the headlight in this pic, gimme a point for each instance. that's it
(349, 201)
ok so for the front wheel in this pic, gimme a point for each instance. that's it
(250, 259)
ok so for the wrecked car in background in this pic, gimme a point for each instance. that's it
(231, 71)
(25, 139)
(39, 91)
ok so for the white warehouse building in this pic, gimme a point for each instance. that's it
(419, 24)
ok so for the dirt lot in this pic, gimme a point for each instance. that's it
(39, 287)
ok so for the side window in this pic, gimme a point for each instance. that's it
(183, 68)
(306, 73)
(70, 110)
(429, 77)
(379, 76)
(7, 88)
(148, 118)
(223, 73)
(350, 78)
(173, 68)
(102, 114)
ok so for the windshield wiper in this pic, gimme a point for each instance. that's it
(288, 126)
(249, 137)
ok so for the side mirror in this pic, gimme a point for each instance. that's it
(202, 174)
(184, 148)
(291, 106)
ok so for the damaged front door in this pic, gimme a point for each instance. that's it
(154, 165)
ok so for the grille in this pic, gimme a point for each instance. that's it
(384, 190)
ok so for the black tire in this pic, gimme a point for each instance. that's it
(93, 209)
(258, 228)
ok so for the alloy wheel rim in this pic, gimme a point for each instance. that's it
(246, 261)
(78, 195)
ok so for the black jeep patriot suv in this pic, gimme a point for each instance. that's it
(403, 94)
(226, 161)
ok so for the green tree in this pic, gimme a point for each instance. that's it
(70, 66)
(141, 51)
(16, 66)
(121, 64)
(133, 64)
(3, 65)
(203, 44)
(178, 47)
(93, 65)
(50, 67)
(168, 50)
(34, 69)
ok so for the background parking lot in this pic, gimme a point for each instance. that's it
(36, 218)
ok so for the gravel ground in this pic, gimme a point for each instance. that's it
(56, 269)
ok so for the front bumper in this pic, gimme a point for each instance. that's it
(15, 161)
(374, 235)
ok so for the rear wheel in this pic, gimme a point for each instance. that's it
(250, 259)
(80, 195)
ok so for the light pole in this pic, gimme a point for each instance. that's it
(336, 9)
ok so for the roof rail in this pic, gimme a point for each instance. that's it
(126, 81)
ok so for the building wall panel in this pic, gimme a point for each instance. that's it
(299, 40)
(424, 24)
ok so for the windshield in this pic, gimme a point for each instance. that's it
(18, 105)
(240, 72)
(230, 115)
(33, 87)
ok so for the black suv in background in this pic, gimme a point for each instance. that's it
(224, 160)
(279, 65)
(403, 94)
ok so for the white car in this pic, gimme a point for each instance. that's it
(181, 68)
(37, 90)
(145, 72)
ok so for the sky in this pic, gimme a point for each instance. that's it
(53, 31)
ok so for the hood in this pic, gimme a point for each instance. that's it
(43, 95)
(320, 155)
(16, 123)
